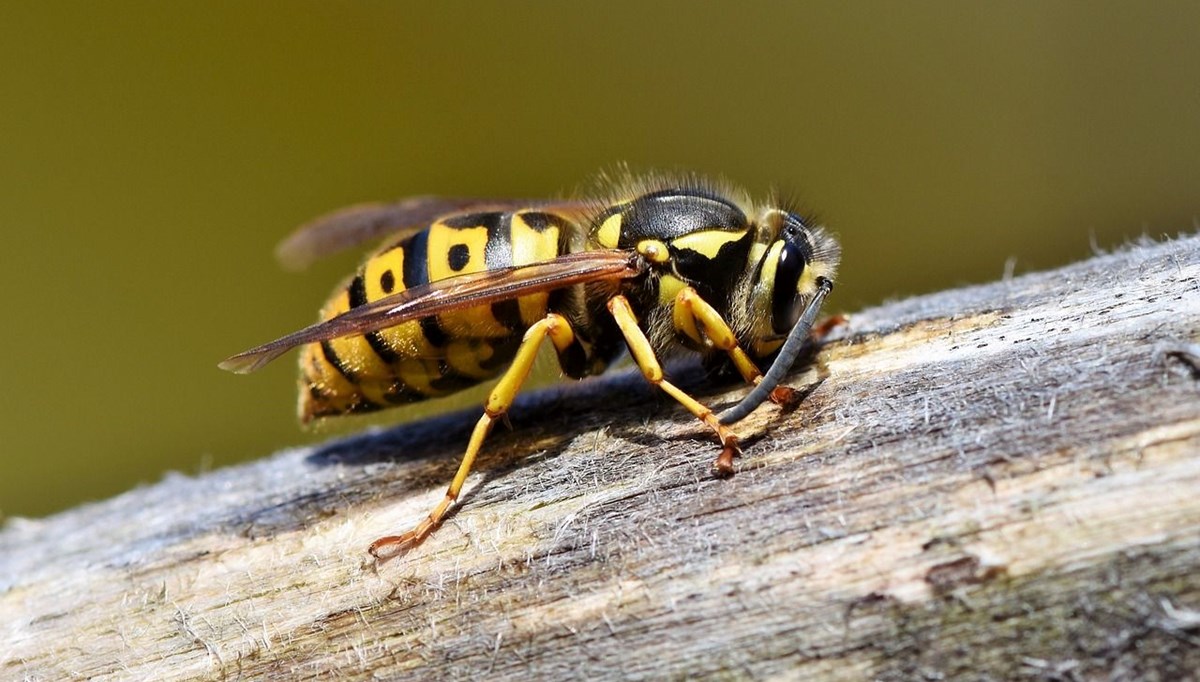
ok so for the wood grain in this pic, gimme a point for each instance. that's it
(995, 482)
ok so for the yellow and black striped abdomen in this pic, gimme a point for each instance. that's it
(441, 354)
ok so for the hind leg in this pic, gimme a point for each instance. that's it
(499, 400)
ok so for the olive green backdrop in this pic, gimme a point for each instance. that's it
(151, 154)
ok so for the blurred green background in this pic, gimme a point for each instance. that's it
(151, 155)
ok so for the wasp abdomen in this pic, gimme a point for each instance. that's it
(440, 354)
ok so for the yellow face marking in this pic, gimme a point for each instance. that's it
(808, 279)
(807, 282)
(756, 252)
(609, 233)
(654, 251)
(760, 298)
(707, 243)
(767, 276)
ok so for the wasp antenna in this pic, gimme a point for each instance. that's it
(783, 362)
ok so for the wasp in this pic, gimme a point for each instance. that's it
(466, 290)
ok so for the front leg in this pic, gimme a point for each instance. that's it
(697, 319)
(643, 355)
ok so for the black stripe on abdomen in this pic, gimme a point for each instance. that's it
(332, 358)
(416, 273)
(358, 296)
(540, 221)
(450, 380)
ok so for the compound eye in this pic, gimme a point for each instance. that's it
(786, 302)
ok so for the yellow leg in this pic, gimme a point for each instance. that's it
(693, 314)
(643, 355)
(559, 330)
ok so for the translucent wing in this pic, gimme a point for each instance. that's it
(362, 223)
(454, 293)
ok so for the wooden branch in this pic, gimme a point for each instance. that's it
(997, 482)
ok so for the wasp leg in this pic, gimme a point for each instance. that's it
(826, 327)
(505, 391)
(691, 310)
(643, 355)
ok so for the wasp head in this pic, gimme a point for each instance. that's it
(796, 257)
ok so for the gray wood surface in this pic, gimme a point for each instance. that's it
(996, 482)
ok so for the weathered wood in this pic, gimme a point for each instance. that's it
(997, 482)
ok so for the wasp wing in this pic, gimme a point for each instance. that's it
(361, 223)
(454, 293)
